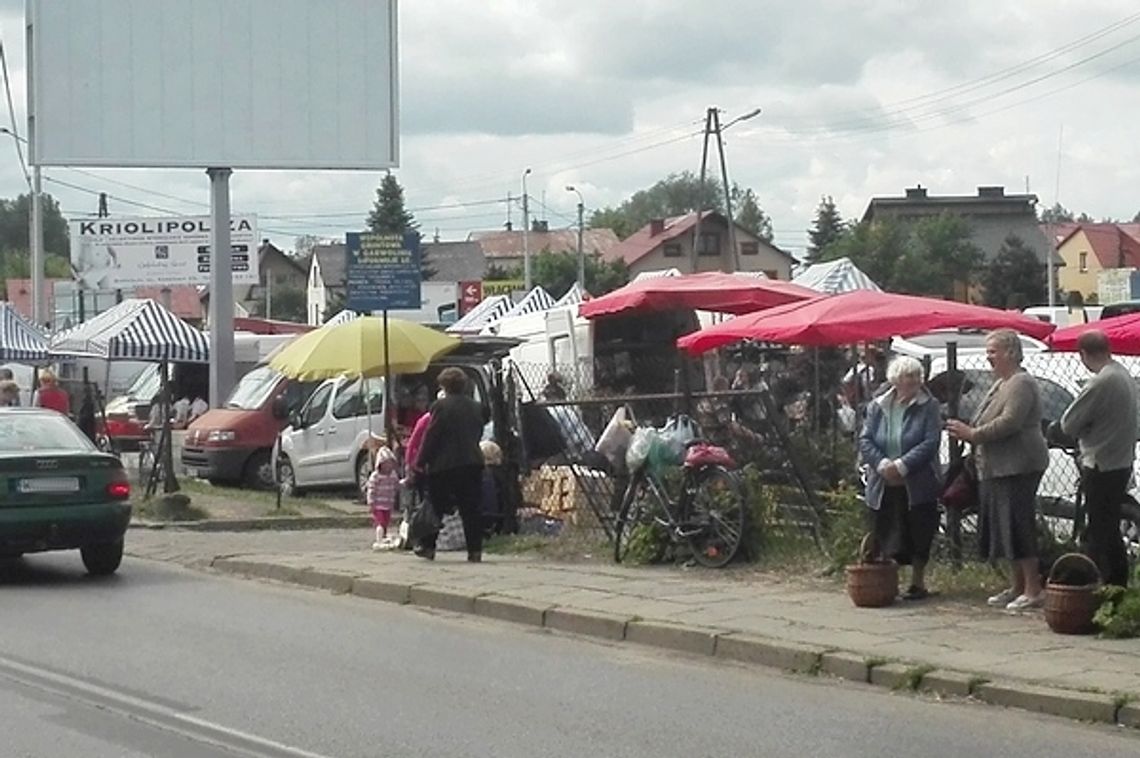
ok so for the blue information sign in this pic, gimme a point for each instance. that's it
(383, 271)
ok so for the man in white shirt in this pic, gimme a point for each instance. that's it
(198, 407)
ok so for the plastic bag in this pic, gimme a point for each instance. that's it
(615, 439)
(676, 435)
(643, 441)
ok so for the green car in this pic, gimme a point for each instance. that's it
(59, 492)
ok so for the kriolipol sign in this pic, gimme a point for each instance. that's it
(383, 271)
(120, 253)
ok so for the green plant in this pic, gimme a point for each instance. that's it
(1119, 613)
(845, 526)
(648, 543)
(914, 676)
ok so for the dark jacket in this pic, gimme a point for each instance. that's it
(452, 439)
(921, 432)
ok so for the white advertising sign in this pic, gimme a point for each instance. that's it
(121, 253)
(257, 84)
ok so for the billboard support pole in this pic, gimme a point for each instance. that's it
(221, 288)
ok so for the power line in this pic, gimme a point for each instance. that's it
(16, 138)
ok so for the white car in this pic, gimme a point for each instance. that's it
(932, 345)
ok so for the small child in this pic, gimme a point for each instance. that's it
(381, 494)
(491, 511)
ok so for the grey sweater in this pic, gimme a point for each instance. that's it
(1007, 430)
(1103, 419)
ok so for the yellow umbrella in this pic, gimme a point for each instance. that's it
(357, 348)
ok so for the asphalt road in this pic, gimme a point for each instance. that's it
(162, 661)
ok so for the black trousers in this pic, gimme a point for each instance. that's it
(458, 489)
(1104, 493)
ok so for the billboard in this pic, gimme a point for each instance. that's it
(122, 253)
(383, 271)
(288, 84)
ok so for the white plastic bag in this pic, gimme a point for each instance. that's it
(616, 437)
(677, 433)
(643, 441)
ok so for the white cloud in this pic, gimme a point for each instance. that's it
(603, 95)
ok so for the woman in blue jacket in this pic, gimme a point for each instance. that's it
(899, 451)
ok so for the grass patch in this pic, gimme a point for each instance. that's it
(914, 676)
(1121, 699)
(283, 512)
(176, 506)
(571, 545)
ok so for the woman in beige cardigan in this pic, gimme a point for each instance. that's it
(1011, 457)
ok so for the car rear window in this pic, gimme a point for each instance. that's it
(33, 432)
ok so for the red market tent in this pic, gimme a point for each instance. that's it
(710, 291)
(857, 316)
(1123, 334)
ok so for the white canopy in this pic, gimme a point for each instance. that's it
(834, 277)
(20, 341)
(135, 329)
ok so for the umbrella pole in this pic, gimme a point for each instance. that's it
(389, 432)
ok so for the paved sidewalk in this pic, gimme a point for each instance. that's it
(949, 647)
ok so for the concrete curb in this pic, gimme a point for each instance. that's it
(733, 646)
(283, 523)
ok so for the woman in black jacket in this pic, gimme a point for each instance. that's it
(454, 464)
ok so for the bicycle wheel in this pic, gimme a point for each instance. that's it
(146, 465)
(636, 526)
(716, 513)
(1130, 530)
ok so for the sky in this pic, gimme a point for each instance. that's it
(858, 98)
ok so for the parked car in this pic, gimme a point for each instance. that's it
(325, 442)
(932, 345)
(59, 491)
(234, 444)
(1120, 309)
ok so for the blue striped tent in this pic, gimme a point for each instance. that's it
(20, 342)
(136, 330)
(489, 309)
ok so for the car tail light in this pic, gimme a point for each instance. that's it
(119, 490)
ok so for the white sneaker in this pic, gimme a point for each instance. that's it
(1025, 602)
(1002, 599)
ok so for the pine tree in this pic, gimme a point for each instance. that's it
(389, 215)
(749, 214)
(827, 228)
(1015, 276)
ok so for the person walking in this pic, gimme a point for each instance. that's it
(451, 457)
(899, 447)
(1011, 457)
(50, 395)
(1102, 419)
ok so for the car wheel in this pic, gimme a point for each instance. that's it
(363, 471)
(286, 478)
(102, 559)
(258, 473)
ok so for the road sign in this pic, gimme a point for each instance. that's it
(470, 295)
(383, 271)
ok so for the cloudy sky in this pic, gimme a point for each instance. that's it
(859, 98)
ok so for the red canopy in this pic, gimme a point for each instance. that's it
(710, 291)
(1123, 334)
(857, 316)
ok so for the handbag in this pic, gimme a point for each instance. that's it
(961, 490)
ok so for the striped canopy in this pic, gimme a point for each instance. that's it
(20, 342)
(343, 317)
(834, 277)
(137, 330)
(489, 309)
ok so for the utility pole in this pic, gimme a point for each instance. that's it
(526, 234)
(581, 255)
(713, 127)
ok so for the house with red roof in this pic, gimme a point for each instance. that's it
(1089, 249)
(666, 243)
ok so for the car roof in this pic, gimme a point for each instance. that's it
(968, 341)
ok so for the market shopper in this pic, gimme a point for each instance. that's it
(899, 447)
(1011, 456)
(1102, 419)
(50, 395)
(451, 457)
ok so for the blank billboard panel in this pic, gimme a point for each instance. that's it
(289, 84)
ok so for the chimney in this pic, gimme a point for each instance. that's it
(539, 226)
(991, 191)
(656, 226)
(917, 192)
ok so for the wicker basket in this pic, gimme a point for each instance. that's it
(872, 582)
(1069, 609)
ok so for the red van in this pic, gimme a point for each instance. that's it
(233, 444)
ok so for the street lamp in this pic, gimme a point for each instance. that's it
(35, 237)
(526, 234)
(581, 257)
(714, 127)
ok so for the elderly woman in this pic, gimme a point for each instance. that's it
(899, 447)
(1011, 456)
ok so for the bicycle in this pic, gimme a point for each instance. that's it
(709, 513)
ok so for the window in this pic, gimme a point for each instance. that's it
(1084, 262)
(710, 244)
(672, 250)
(315, 410)
(750, 248)
(348, 401)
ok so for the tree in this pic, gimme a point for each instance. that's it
(498, 273)
(1058, 214)
(827, 227)
(389, 216)
(1015, 276)
(1136, 218)
(749, 214)
(675, 195)
(557, 272)
(15, 258)
(286, 304)
(304, 244)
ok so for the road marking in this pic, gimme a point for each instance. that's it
(150, 713)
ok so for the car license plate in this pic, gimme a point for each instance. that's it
(52, 484)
